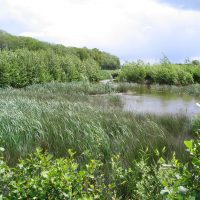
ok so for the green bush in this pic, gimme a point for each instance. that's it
(42, 177)
(105, 74)
(166, 73)
(196, 74)
(182, 181)
(92, 70)
(184, 78)
(132, 72)
(151, 75)
(22, 67)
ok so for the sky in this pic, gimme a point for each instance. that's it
(129, 29)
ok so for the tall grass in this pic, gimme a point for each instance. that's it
(56, 118)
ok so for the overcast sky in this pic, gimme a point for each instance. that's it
(130, 29)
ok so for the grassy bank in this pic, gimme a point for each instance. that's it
(87, 88)
(193, 89)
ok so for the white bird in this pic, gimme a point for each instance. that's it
(198, 104)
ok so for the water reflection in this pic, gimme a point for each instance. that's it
(160, 103)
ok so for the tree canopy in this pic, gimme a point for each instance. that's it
(11, 42)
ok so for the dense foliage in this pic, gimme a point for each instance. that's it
(104, 60)
(164, 73)
(22, 67)
(42, 177)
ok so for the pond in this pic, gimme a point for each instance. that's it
(144, 100)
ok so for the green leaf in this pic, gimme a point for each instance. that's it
(189, 144)
(44, 174)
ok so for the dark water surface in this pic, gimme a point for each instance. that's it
(144, 100)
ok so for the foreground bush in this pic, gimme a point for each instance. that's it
(42, 177)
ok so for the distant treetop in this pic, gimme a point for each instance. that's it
(11, 42)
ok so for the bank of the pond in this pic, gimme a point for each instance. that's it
(124, 87)
(154, 99)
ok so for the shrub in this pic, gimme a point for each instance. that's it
(182, 181)
(105, 74)
(22, 67)
(132, 72)
(166, 75)
(92, 70)
(151, 75)
(196, 74)
(184, 78)
(42, 177)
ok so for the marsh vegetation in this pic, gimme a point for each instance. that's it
(63, 135)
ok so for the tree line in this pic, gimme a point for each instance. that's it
(162, 73)
(11, 42)
(23, 67)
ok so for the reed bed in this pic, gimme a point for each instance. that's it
(57, 117)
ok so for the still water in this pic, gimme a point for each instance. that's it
(149, 101)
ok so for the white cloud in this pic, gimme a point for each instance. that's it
(33, 34)
(194, 58)
(128, 28)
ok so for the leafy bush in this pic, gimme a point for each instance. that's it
(165, 73)
(105, 74)
(92, 70)
(182, 181)
(196, 74)
(133, 73)
(185, 78)
(42, 177)
(22, 67)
